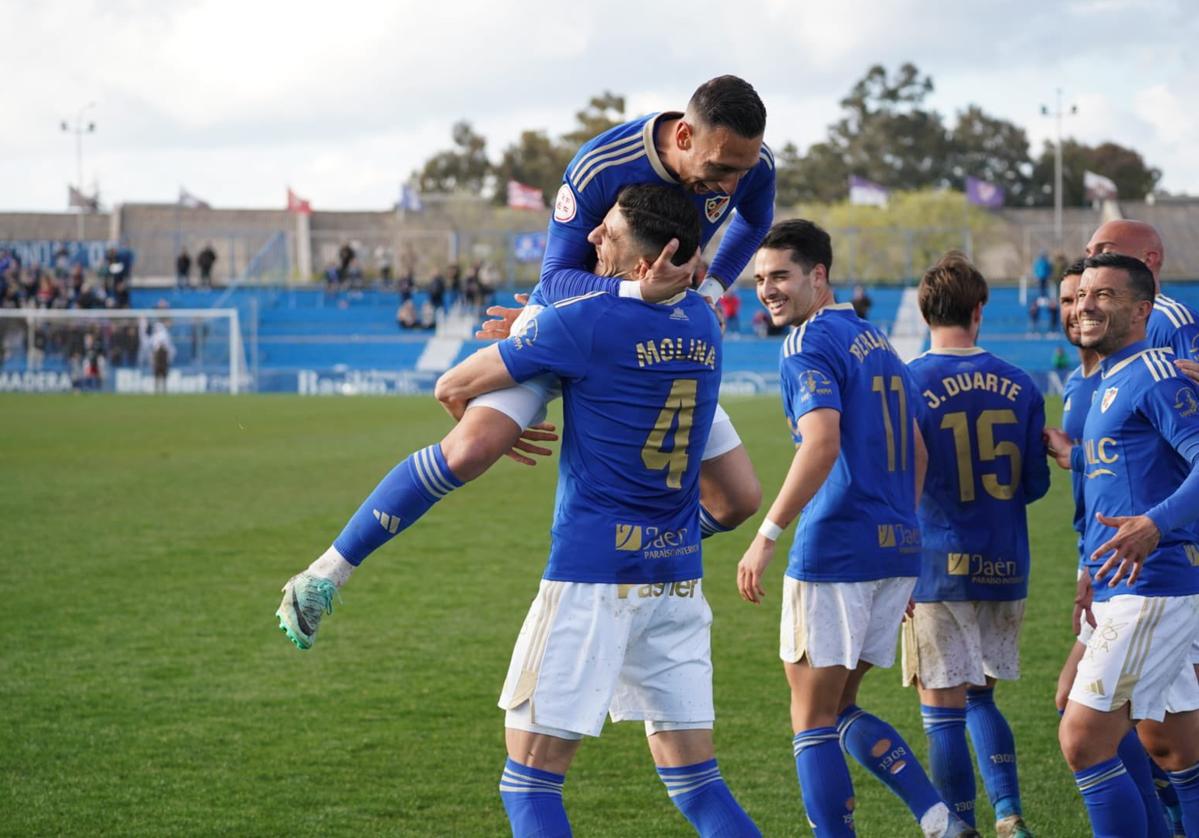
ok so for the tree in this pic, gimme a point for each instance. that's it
(1134, 179)
(464, 168)
(820, 175)
(535, 160)
(991, 149)
(602, 112)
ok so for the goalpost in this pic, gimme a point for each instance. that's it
(122, 350)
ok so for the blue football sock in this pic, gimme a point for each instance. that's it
(1139, 768)
(996, 752)
(403, 496)
(884, 753)
(824, 781)
(949, 758)
(533, 800)
(1186, 784)
(709, 526)
(1167, 795)
(1112, 802)
(701, 795)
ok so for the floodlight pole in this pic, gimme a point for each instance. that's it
(1057, 165)
(79, 129)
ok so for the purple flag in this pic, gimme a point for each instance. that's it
(983, 193)
(867, 192)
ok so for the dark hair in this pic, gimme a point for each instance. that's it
(951, 290)
(1140, 278)
(731, 102)
(657, 214)
(809, 244)
(1075, 268)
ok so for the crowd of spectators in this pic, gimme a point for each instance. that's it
(445, 291)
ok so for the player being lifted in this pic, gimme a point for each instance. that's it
(620, 625)
(714, 153)
(1140, 456)
(849, 400)
(982, 420)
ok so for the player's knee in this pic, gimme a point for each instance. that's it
(1079, 747)
(471, 452)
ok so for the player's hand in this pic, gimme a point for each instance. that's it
(909, 610)
(1084, 595)
(501, 326)
(751, 568)
(541, 432)
(1189, 368)
(1135, 538)
(1058, 444)
(664, 280)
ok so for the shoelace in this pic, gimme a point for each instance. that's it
(323, 600)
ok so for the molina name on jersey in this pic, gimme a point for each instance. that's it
(625, 155)
(982, 420)
(639, 388)
(861, 524)
(1140, 437)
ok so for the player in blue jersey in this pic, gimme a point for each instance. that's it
(620, 626)
(714, 153)
(982, 420)
(1140, 456)
(849, 401)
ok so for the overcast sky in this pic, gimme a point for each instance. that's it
(236, 99)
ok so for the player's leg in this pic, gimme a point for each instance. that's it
(872, 742)
(824, 779)
(666, 682)
(729, 490)
(941, 655)
(998, 625)
(1089, 740)
(531, 785)
(1174, 744)
(488, 429)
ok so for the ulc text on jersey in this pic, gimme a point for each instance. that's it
(964, 382)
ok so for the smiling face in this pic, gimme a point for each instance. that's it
(1067, 292)
(789, 293)
(1109, 316)
(616, 250)
(713, 159)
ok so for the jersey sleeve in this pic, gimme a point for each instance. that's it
(568, 254)
(750, 223)
(1185, 342)
(1036, 463)
(557, 341)
(814, 383)
(1172, 406)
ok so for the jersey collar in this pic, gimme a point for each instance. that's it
(1117, 361)
(651, 148)
(957, 350)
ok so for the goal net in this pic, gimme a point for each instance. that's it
(122, 350)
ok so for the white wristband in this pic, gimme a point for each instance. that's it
(629, 288)
(770, 530)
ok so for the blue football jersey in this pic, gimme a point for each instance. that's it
(1174, 324)
(982, 420)
(1144, 414)
(639, 388)
(1077, 395)
(626, 155)
(861, 523)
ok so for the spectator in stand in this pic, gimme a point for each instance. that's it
(764, 327)
(75, 281)
(1061, 361)
(345, 255)
(861, 302)
(1042, 269)
(183, 269)
(48, 292)
(453, 285)
(354, 274)
(162, 351)
(730, 304)
(428, 315)
(472, 290)
(1051, 306)
(405, 286)
(62, 263)
(437, 291)
(383, 260)
(407, 316)
(332, 278)
(88, 367)
(120, 294)
(205, 259)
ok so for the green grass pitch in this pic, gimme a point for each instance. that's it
(146, 690)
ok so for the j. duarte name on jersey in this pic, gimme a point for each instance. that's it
(658, 351)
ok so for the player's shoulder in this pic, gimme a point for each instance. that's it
(1175, 312)
(589, 302)
(608, 155)
(1143, 370)
(1012, 372)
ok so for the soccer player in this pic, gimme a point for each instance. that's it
(849, 401)
(619, 626)
(712, 152)
(982, 420)
(1140, 456)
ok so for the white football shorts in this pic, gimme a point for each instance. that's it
(843, 623)
(633, 652)
(1140, 652)
(948, 644)
(525, 404)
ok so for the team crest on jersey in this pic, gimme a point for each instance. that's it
(564, 205)
(814, 383)
(715, 206)
(1186, 402)
(1109, 396)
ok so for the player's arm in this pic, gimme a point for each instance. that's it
(568, 253)
(921, 460)
(1168, 408)
(483, 372)
(750, 223)
(815, 458)
(1035, 478)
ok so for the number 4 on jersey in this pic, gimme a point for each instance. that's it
(677, 412)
